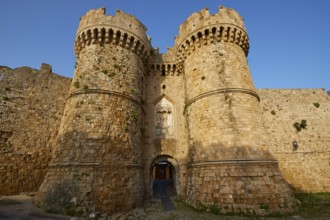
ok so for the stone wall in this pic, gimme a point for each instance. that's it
(305, 166)
(98, 148)
(31, 107)
(240, 187)
(222, 110)
(165, 133)
(223, 119)
(129, 107)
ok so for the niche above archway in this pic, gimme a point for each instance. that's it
(164, 118)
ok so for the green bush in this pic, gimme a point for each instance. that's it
(301, 125)
(116, 66)
(76, 84)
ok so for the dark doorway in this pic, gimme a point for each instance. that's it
(163, 174)
(163, 171)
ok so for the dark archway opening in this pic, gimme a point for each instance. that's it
(163, 171)
(163, 178)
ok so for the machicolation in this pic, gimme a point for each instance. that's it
(132, 117)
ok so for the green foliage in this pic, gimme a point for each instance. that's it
(116, 66)
(316, 104)
(76, 84)
(5, 98)
(73, 211)
(214, 209)
(133, 91)
(134, 114)
(264, 206)
(86, 87)
(301, 125)
(273, 112)
(313, 204)
(126, 128)
(111, 74)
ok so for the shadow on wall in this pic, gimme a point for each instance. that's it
(219, 151)
(79, 146)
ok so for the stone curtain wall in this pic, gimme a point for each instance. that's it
(306, 167)
(31, 107)
(128, 107)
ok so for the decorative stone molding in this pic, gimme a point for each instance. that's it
(112, 35)
(211, 35)
(226, 90)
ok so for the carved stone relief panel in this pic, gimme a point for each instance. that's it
(164, 122)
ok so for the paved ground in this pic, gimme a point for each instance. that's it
(163, 191)
(20, 207)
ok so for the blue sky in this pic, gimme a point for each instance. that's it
(289, 39)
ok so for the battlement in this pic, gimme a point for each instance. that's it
(45, 68)
(132, 116)
(203, 18)
(164, 64)
(202, 28)
(122, 29)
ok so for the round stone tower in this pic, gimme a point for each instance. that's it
(97, 158)
(229, 170)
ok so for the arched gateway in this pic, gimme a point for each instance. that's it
(164, 169)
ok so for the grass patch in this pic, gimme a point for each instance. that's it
(314, 204)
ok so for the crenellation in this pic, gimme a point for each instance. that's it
(132, 116)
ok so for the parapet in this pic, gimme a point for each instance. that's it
(96, 17)
(164, 64)
(122, 29)
(45, 68)
(203, 28)
(202, 19)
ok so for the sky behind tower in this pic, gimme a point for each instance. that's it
(289, 40)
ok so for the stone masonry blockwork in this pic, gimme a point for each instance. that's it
(99, 141)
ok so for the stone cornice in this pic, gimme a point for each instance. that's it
(108, 34)
(107, 92)
(219, 91)
(231, 162)
(212, 34)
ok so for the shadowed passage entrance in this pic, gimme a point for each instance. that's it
(163, 171)
(163, 176)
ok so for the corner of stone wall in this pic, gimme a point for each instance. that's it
(45, 68)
